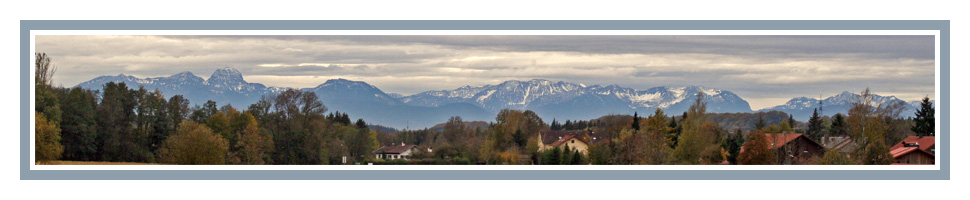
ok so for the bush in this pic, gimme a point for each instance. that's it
(834, 157)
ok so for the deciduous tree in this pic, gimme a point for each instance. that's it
(194, 144)
(47, 139)
(757, 150)
(697, 143)
(868, 128)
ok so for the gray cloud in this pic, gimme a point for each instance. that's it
(762, 69)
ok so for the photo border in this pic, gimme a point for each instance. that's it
(941, 25)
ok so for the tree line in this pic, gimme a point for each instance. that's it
(122, 124)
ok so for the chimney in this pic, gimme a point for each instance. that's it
(402, 144)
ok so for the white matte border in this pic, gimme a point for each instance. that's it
(935, 33)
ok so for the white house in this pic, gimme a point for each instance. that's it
(394, 152)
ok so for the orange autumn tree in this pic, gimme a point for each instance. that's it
(757, 150)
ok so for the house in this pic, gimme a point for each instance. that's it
(395, 152)
(578, 140)
(925, 143)
(843, 144)
(794, 148)
(912, 156)
(915, 150)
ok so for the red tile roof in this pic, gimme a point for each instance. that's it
(566, 138)
(902, 151)
(925, 143)
(396, 149)
(780, 139)
(551, 136)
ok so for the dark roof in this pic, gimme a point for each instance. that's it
(777, 140)
(843, 144)
(396, 149)
(780, 139)
(925, 143)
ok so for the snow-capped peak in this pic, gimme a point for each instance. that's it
(227, 75)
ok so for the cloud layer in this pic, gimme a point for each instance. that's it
(766, 70)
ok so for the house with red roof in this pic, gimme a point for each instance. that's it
(794, 148)
(920, 150)
(577, 140)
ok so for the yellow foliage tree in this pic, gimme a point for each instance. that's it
(194, 144)
(47, 141)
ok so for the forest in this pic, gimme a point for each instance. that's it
(122, 123)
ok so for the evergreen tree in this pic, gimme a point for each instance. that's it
(674, 132)
(815, 126)
(567, 155)
(733, 146)
(636, 121)
(201, 114)
(361, 124)
(925, 119)
(79, 128)
(761, 123)
(578, 158)
(118, 141)
(552, 156)
(519, 138)
(792, 122)
(839, 127)
(555, 125)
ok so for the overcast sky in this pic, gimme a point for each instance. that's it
(764, 70)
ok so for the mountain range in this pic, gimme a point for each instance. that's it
(549, 99)
(801, 108)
